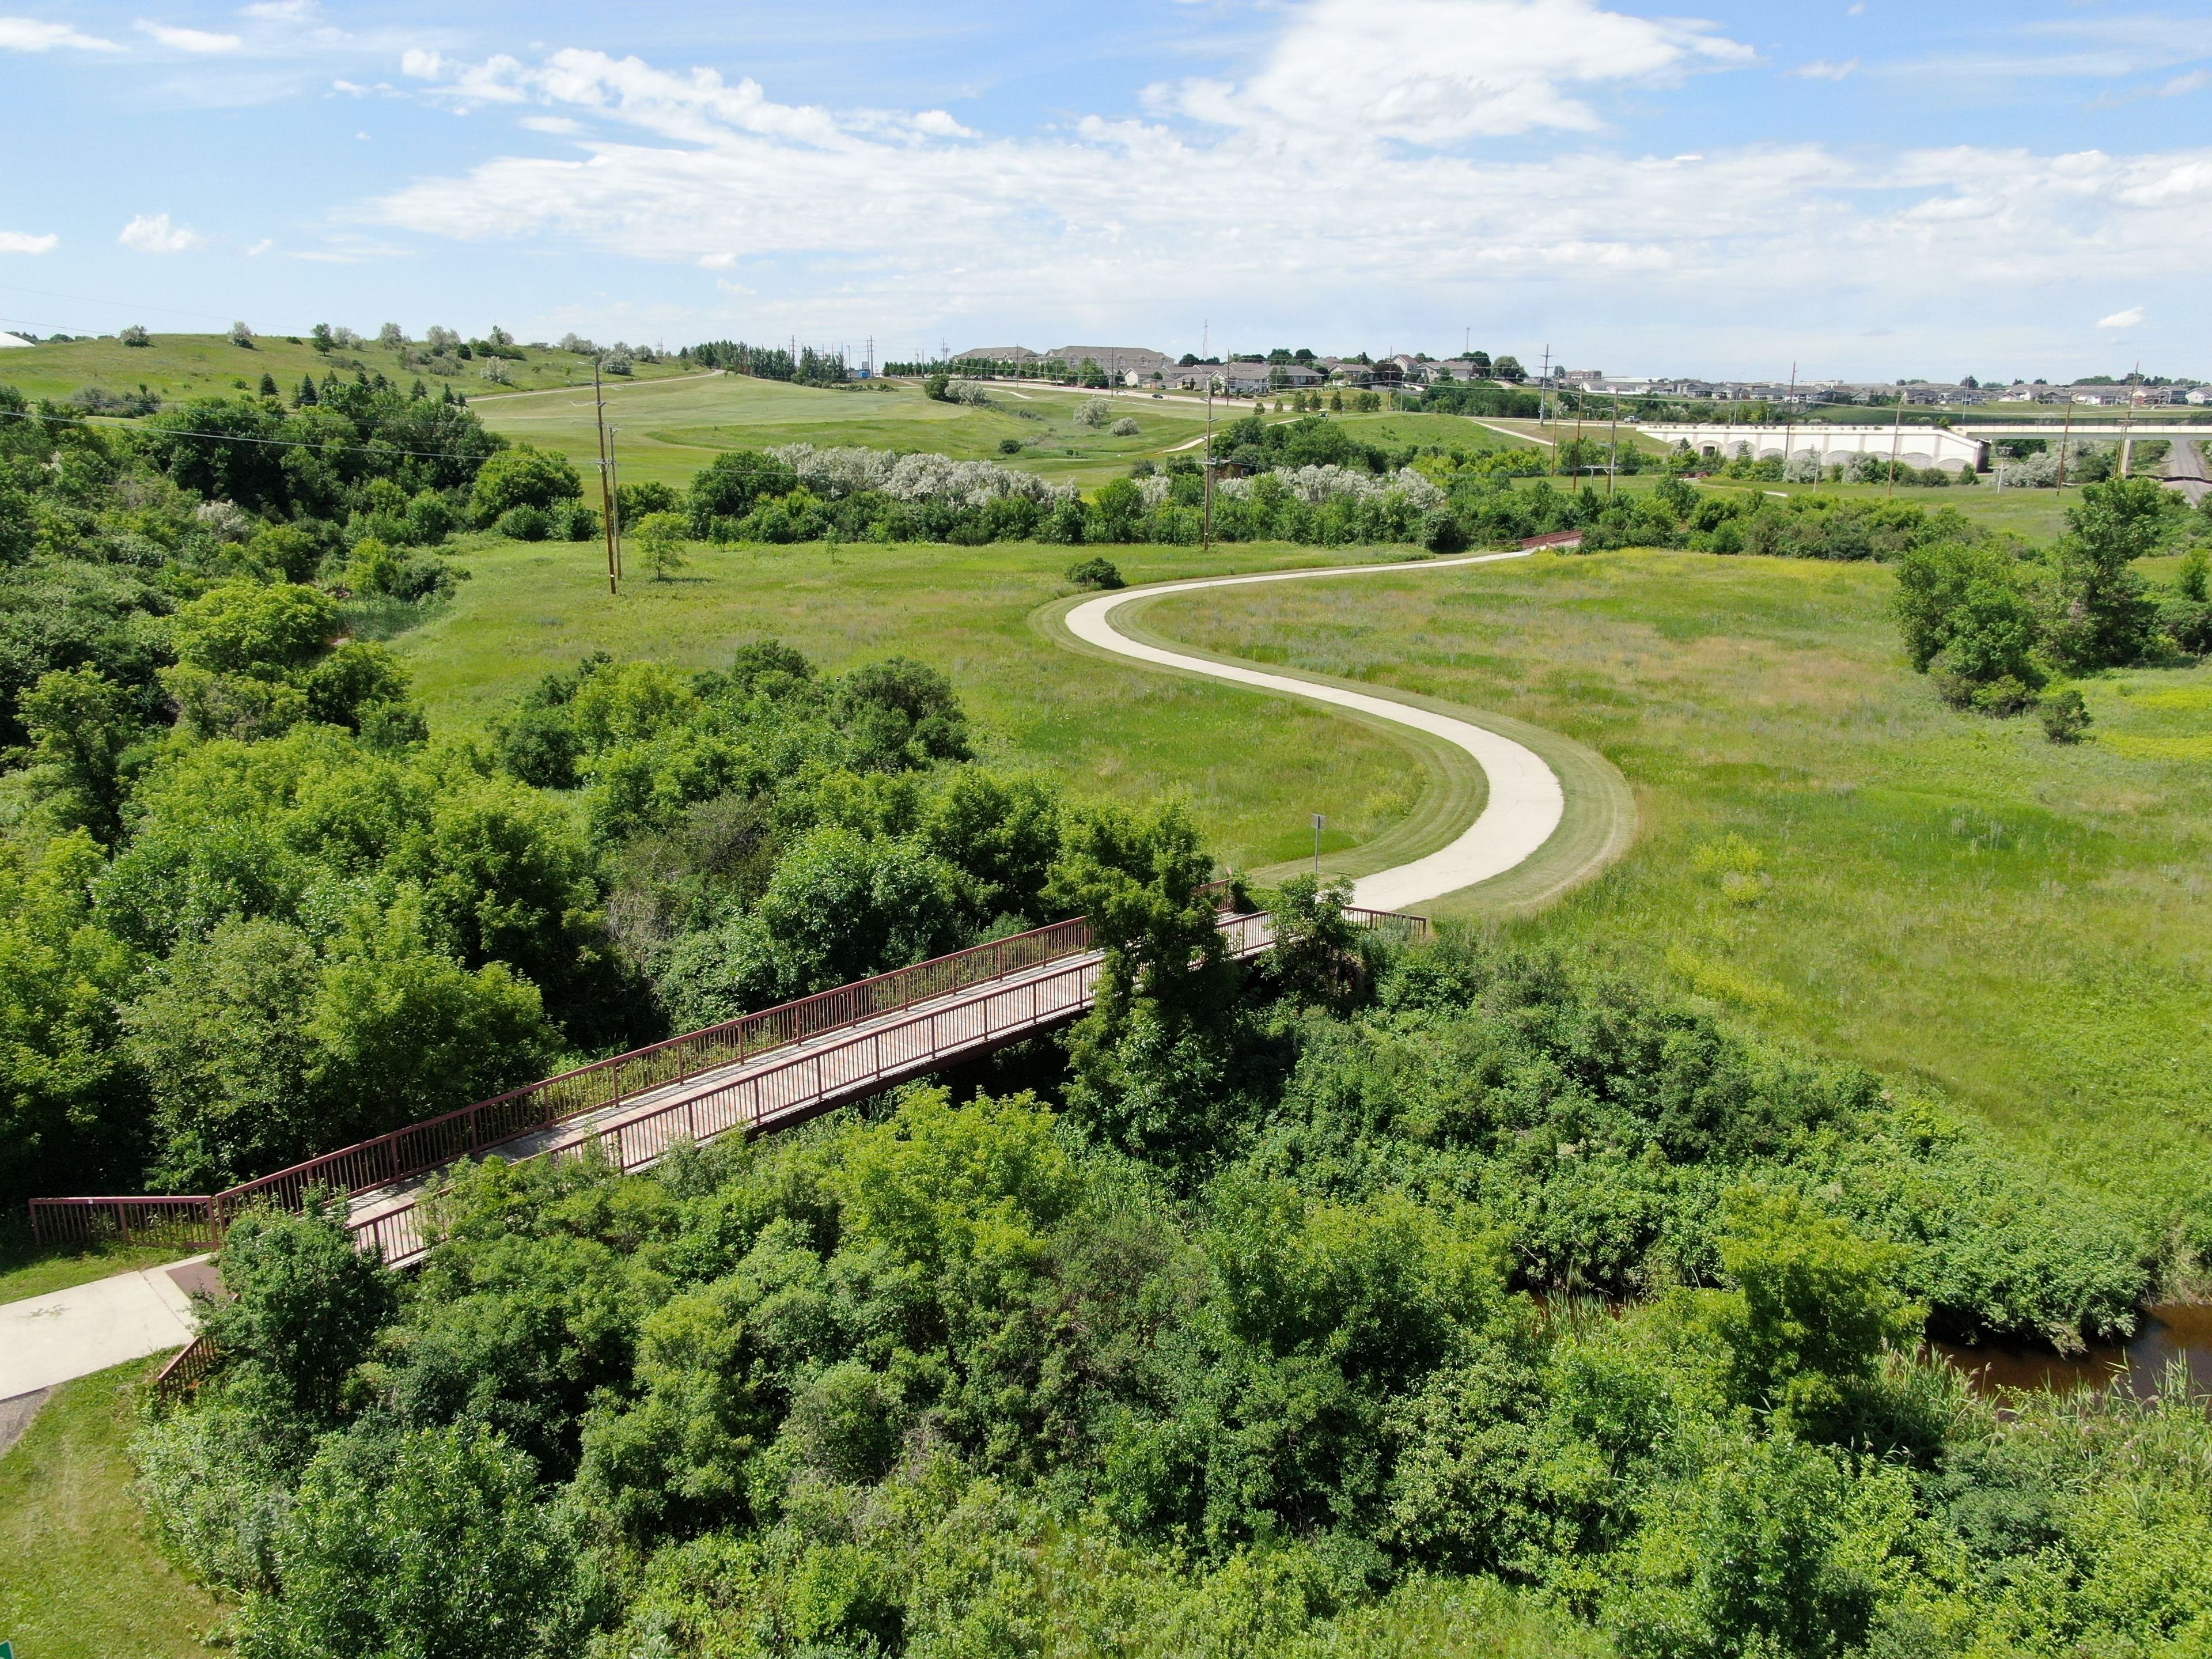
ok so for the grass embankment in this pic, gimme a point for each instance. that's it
(1826, 848)
(79, 1576)
(179, 366)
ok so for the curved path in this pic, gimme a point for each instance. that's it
(1526, 799)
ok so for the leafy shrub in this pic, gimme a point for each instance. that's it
(1127, 427)
(2065, 715)
(1095, 573)
(526, 524)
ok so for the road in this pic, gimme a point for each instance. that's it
(2185, 470)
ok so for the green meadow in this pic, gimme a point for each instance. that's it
(1827, 850)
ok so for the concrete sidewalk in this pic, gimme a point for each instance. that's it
(52, 1339)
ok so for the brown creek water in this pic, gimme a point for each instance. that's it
(2167, 1335)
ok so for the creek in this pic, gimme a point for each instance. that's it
(2167, 1335)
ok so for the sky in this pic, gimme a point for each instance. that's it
(1861, 189)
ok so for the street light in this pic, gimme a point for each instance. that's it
(1319, 822)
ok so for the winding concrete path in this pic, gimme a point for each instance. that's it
(1526, 800)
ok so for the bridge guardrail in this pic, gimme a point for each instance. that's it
(200, 1219)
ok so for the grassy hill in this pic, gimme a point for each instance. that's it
(179, 366)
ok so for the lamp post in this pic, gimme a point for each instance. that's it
(1320, 821)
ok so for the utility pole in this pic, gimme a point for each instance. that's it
(2066, 440)
(1789, 422)
(606, 484)
(1896, 437)
(1545, 403)
(614, 477)
(1206, 537)
(1613, 456)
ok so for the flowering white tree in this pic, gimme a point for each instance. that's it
(392, 335)
(241, 336)
(1095, 412)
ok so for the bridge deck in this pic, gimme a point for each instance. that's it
(790, 1084)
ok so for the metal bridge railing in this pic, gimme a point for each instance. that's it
(418, 1148)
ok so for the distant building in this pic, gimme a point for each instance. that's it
(997, 354)
(1119, 361)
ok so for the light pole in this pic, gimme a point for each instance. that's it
(1320, 820)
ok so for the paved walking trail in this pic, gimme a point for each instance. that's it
(1526, 800)
(51, 1338)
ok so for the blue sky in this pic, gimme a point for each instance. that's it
(1868, 189)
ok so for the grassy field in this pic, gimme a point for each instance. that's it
(27, 1269)
(79, 1576)
(1827, 850)
(667, 431)
(208, 365)
(1253, 767)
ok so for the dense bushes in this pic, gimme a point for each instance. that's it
(946, 1380)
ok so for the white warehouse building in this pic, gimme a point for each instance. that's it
(1914, 445)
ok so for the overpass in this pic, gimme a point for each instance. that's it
(1963, 445)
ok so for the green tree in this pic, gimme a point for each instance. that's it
(660, 537)
(428, 1543)
(522, 477)
(732, 484)
(246, 628)
(221, 1036)
(83, 727)
(301, 1301)
(1151, 1060)
(1971, 622)
(71, 1104)
(1810, 1318)
(2107, 615)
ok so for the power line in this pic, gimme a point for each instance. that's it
(120, 305)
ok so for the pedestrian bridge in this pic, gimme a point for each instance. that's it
(758, 1073)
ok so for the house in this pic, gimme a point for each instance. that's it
(2199, 395)
(1120, 363)
(1346, 374)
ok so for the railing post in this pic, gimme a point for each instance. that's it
(123, 1220)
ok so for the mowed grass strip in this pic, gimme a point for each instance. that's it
(1826, 850)
(79, 1578)
(1254, 767)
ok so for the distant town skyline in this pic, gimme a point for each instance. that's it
(1867, 189)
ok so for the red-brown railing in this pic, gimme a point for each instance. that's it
(805, 1085)
(604, 1085)
(186, 1222)
(185, 1371)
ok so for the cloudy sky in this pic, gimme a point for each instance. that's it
(1866, 188)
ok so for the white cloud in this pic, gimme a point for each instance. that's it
(1438, 71)
(200, 41)
(2131, 318)
(22, 242)
(560, 125)
(2195, 81)
(33, 34)
(260, 247)
(156, 235)
(1821, 69)
(1101, 218)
